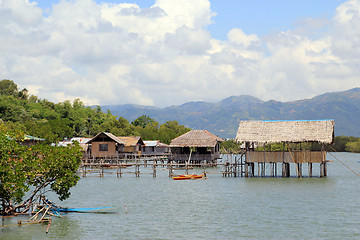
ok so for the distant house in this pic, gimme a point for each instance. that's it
(196, 146)
(106, 145)
(154, 148)
(30, 140)
(82, 142)
(132, 144)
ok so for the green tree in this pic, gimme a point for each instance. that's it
(170, 130)
(8, 87)
(37, 167)
(142, 121)
(353, 146)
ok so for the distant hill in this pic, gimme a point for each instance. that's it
(222, 118)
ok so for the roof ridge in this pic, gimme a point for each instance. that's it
(210, 134)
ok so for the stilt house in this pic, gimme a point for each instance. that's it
(154, 148)
(196, 147)
(106, 145)
(132, 144)
(291, 134)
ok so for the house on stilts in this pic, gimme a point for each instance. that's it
(196, 147)
(132, 145)
(105, 145)
(154, 148)
(294, 137)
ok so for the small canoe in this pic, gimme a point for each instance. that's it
(188, 177)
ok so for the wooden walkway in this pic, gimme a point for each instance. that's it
(118, 167)
(232, 166)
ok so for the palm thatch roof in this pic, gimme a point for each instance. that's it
(196, 138)
(286, 131)
(131, 141)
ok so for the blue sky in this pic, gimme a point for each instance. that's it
(166, 52)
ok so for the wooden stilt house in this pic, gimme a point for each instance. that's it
(132, 144)
(154, 148)
(292, 135)
(196, 147)
(106, 145)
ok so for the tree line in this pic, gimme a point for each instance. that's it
(57, 121)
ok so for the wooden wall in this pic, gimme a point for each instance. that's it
(110, 153)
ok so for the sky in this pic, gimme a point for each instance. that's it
(168, 52)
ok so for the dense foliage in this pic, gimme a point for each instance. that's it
(38, 167)
(347, 144)
(57, 121)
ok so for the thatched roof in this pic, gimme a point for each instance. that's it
(196, 138)
(132, 141)
(286, 131)
(106, 135)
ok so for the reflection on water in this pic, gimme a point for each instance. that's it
(214, 208)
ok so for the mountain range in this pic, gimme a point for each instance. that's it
(222, 118)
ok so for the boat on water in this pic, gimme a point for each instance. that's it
(188, 177)
(88, 210)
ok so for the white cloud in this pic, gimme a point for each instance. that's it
(163, 55)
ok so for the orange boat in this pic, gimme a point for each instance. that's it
(188, 177)
(194, 176)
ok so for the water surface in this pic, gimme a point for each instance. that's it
(214, 208)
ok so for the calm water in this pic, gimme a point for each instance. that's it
(214, 208)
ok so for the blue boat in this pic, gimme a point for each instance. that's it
(88, 210)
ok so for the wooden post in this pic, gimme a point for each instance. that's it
(310, 169)
(252, 169)
(137, 170)
(288, 170)
(283, 169)
(322, 170)
(324, 159)
(246, 169)
(299, 169)
(263, 169)
(283, 162)
(154, 168)
(263, 164)
(247, 159)
(170, 169)
(323, 164)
